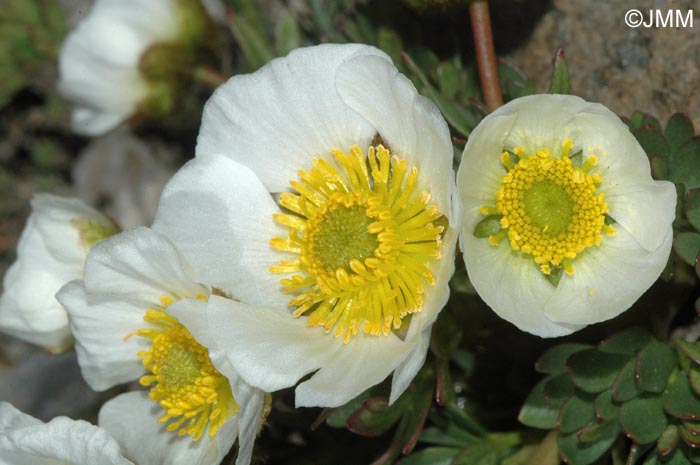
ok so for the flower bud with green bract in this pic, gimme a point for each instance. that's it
(582, 228)
(132, 60)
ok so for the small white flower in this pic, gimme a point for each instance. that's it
(131, 318)
(24, 440)
(325, 241)
(563, 224)
(120, 60)
(51, 251)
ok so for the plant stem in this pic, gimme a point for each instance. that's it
(209, 76)
(485, 54)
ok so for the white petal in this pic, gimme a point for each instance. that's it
(106, 355)
(276, 120)
(511, 285)
(124, 276)
(93, 122)
(607, 280)
(220, 216)
(363, 362)
(50, 253)
(480, 172)
(407, 370)
(268, 348)
(139, 266)
(542, 121)
(410, 123)
(191, 314)
(132, 418)
(26, 441)
(645, 208)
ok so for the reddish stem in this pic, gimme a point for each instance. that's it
(485, 54)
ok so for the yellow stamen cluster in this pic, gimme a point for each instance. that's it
(549, 208)
(182, 378)
(363, 239)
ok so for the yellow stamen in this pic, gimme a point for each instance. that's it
(181, 377)
(363, 239)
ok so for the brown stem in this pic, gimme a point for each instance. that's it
(485, 54)
(209, 76)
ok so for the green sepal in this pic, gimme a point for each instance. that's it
(374, 417)
(691, 349)
(488, 226)
(684, 164)
(431, 456)
(560, 74)
(653, 142)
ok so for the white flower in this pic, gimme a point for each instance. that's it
(324, 242)
(24, 440)
(120, 60)
(51, 251)
(563, 225)
(130, 318)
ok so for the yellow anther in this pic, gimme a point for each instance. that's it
(488, 211)
(364, 237)
(609, 230)
(566, 147)
(519, 152)
(590, 162)
(507, 162)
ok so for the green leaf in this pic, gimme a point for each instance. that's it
(692, 208)
(390, 41)
(576, 413)
(691, 349)
(558, 389)
(287, 33)
(594, 371)
(488, 226)
(643, 419)
(547, 452)
(652, 141)
(667, 441)
(605, 406)
(689, 438)
(679, 129)
(339, 417)
(679, 400)
(449, 79)
(640, 120)
(629, 341)
(481, 453)
(431, 456)
(452, 436)
(560, 74)
(553, 360)
(598, 431)
(537, 412)
(253, 43)
(654, 365)
(462, 419)
(694, 378)
(687, 246)
(659, 167)
(576, 452)
(625, 386)
(684, 164)
(374, 417)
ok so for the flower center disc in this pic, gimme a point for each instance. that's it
(183, 380)
(363, 240)
(550, 208)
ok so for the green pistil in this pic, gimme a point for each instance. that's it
(549, 207)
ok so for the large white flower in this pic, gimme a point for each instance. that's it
(51, 251)
(563, 225)
(24, 440)
(131, 318)
(321, 203)
(123, 58)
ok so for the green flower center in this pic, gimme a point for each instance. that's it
(549, 206)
